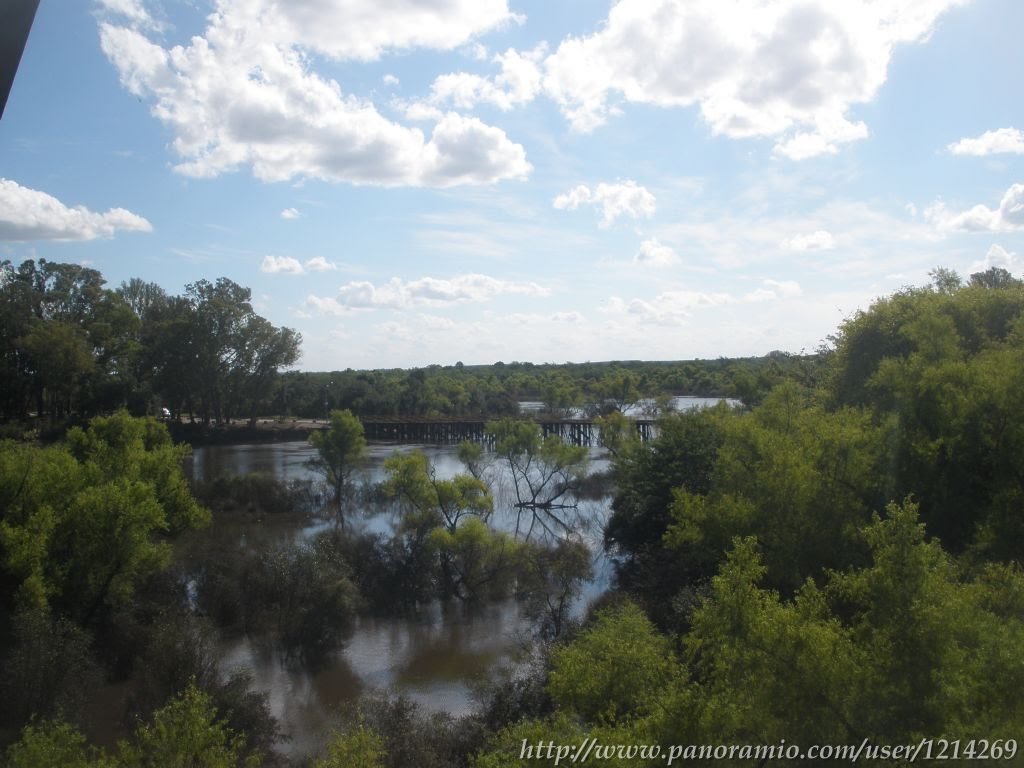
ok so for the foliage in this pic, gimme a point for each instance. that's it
(776, 473)
(184, 734)
(895, 651)
(360, 748)
(339, 448)
(681, 456)
(48, 669)
(70, 346)
(544, 472)
(614, 669)
(550, 578)
(54, 743)
(85, 523)
(944, 366)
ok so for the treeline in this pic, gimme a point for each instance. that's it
(72, 348)
(497, 390)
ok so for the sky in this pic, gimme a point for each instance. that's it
(414, 182)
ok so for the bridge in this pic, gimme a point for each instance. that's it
(453, 430)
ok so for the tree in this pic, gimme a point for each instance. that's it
(613, 670)
(185, 733)
(85, 523)
(545, 471)
(446, 520)
(359, 748)
(681, 456)
(549, 580)
(995, 277)
(339, 448)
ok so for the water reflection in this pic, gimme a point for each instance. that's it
(434, 657)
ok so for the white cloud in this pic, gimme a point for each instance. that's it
(290, 214)
(430, 291)
(518, 83)
(364, 30)
(1000, 141)
(28, 214)
(654, 254)
(1008, 216)
(320, 264)
(568, 317)
(326, 305)
(789, 70)
(244, 95)
(676, 307)
(390, 79)
(772, 290)
(820, 240)
(614, 200)
(292, 266)
(997, 256)
(131, 10)
(286, 264)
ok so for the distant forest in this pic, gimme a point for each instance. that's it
(72, 348)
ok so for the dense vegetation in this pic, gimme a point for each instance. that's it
(840, 561)
(69, 347)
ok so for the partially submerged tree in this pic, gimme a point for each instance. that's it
(545, 471)
(339, 448)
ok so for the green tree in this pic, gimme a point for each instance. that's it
(801, 479)
(545, 472)
(615, 669)
(359, 748)
(53, 743)
(186, 734)
(340, 448)
(86, 522)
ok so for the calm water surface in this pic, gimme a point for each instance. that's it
(435, 657)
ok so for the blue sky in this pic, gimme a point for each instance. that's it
(409, 183)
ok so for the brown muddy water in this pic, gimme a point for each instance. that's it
(435, 658)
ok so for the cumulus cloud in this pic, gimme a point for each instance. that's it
(133, 11)
(390, 79)
(320, 264)
(772, 290)
(286, 264)
(292, 266)
(243, 94)
(28, 214)
(290, 214)
(326, 305)
(1008, 216)
(519, 82)
(789, 70)
(614, 200)
(676, 307)
(1000, 141)
(654, 254)
(426, 291)
(821, 240)
(997, 256)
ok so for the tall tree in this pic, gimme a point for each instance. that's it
(339, 449)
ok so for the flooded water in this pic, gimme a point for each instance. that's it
(434, 658)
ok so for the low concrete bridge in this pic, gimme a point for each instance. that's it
(450, 430)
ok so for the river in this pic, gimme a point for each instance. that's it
(434, 658)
